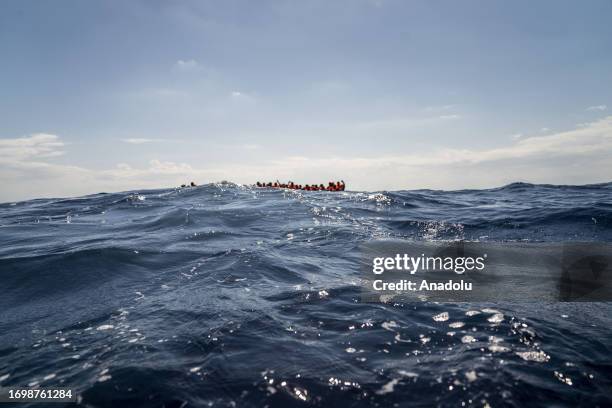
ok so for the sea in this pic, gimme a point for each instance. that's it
(226, 295)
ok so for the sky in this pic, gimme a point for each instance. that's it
(386, 95)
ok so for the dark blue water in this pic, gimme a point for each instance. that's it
(226, 295)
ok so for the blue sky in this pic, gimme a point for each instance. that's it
(385, 94)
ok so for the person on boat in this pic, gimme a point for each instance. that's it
(331, 186)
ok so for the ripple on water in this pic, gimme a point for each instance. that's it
(537, 356)
(468, 339)
(145, 257)
(442, 317)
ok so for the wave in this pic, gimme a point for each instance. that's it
(225, 294)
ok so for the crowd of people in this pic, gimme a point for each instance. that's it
(331, 186)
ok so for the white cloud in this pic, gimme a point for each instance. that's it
(594, 138)
(400, 126)
(167, 167)
(439, 108)
(544, 130)
(190, 65)
(38, 145)
(450, 117)
(577, 156)
(516, 136)
(242, 98)
(597, 108)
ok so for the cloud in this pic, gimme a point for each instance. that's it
(544, 130)
(190, 65)
(157, 168)
(594, 138)
(38, 145)
(597, 108)
(450, 117)
(400, 126)
(60, 180)
(516, 136)
(577, 156)
(167, 167)
(241, 97)
(439, 108)
(582, 155)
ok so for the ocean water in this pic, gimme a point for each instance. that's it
(227, 295)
